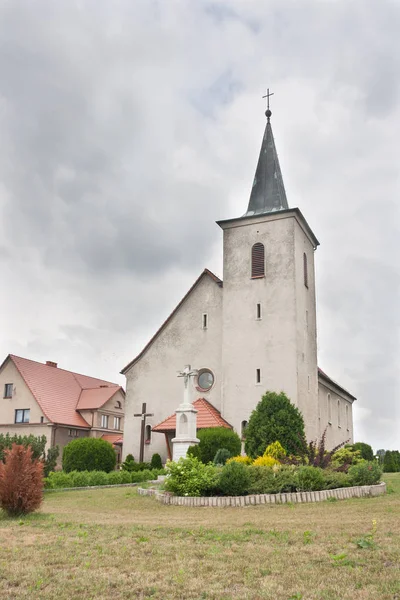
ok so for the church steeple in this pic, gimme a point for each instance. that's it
(268, 192)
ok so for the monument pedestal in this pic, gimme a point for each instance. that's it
(186, 423)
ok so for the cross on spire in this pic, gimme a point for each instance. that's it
(268, 113)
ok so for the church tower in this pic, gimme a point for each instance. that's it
(269, 336)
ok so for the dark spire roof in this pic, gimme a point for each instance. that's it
(268, 192)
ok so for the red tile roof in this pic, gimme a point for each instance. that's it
(207, 416)
(113, 438)
(157, 333)
(58, 392)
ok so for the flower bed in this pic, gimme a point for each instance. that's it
(257, 499)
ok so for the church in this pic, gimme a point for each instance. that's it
(253, 331)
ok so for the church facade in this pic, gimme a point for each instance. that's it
(253, 331)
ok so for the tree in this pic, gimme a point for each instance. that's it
(366, 451)
(21, 481)
(391, 462)
(275, 419)
(89, 454)
(211, 440)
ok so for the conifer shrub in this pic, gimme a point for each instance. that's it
(345, 457)
(21, 481)
(234, 479)
(276, 450)
(89, 454)
(365, 473)
(245, 460)
(262, 480)
(309, 479)
(129, 463)
(221, 457)
(156, 462)
(50, 462)
(211, 440)
(275, 418)
(265, 461)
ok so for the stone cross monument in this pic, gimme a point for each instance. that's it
(185, 432)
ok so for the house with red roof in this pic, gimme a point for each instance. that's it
(42, 399)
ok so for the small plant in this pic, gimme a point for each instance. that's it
(365, 473)
(310, 479)
(276, 450)
(21, 481)
(190, 477)
(50, 461)
(221, 457)
(234, 479)
(156, 462)
(129, 463)
(89, 454)
(316, 454)
(308, 537)
(265, 461)
(367, 542)
(245, 460)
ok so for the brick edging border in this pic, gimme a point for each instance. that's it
(360, 491)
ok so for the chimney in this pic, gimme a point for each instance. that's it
(50, 363)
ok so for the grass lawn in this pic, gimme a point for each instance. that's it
(114, 544)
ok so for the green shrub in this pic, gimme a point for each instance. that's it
(129, 463)
(190, 477)
(309, 479)
(98, 478)
(365, 450)
(345, 457)
(58, 479)
(115, 477)
(391, 461)
(275, 418)
(37, 444)
(365, 473)
(211, 440)
(88, 454)
(79, 478)
(125, 476)
(156, 462)
(285, 480)
(50, 461)
(335, 479)
(262, 480)
(221, 457)
(234, 479)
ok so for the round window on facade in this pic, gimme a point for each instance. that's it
(205, 380)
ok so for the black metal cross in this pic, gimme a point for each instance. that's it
(267, 96)
(143, 416)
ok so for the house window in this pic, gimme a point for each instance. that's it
(347, 417)
(258, 260)
(73, 432)
(42, 419)
(338, 413)
(104, 421)
(205, 321)
(243, 430)
(22, 415)
(117, 423)
(258, 375)
(305, 267)
(205, 380)
(329, 410)
(258, 311)
(118, 404)
(8, 390)
(147, 437)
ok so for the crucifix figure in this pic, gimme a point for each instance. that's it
(143, 416)
(187, 373)
(268, 113)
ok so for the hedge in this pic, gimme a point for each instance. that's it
(89, 454)
(61, 479)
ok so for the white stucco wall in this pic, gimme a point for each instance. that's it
(275, 343)
(22, 397)
(153, 379)
(339, 427)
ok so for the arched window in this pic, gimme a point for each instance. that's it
(329, 409)
(118, 404)
(305, 266)
(338, 413)
(258, 260)
(147, 435)
(243, 430)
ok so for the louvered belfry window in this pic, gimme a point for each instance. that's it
(258, 260)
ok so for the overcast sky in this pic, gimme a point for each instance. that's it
(128, 128)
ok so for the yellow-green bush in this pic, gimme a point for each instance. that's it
(245, 460)
(276, 450)
(265, 461)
